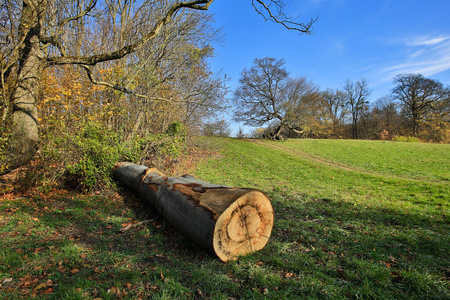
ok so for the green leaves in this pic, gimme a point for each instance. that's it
(93, 152)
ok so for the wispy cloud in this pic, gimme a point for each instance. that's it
(426, 40)
(427, 55)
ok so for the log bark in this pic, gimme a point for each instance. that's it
(225, 221)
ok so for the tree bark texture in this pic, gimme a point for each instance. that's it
(225, 221)
(25, 134)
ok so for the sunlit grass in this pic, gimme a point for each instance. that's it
(338, 233)
(356, 234)
(423, 161)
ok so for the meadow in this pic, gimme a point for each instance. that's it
(353, 219)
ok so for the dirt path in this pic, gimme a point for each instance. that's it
(308, 156)
(322, 161)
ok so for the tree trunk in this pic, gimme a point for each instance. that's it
(225, 221)
(276, 135)
(24, 134)
(415, 123)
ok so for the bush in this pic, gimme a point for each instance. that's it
(93, 152)
(408, 139)
(175, 128)
(174, 141)
(82, 156)
(89, 156)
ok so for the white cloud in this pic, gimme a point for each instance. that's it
(417, 53)
(426, 55)
(426, 41)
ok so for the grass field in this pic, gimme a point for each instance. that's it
(353, 219)
(408, 160)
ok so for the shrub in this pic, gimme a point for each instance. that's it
(175, 128)
(174, 141)
(95, 149)
(82, 156)
(408, 139)
(384, 135)
(92, 154)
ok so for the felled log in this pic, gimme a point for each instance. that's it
(225, 221)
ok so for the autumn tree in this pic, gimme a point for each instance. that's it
(386, 118)
(216, 128)
(439, 122)
(37, 41)
(303, 106)
(34, 37)
(267, 93)
(334, 103)
(356, 95)
(419, 96)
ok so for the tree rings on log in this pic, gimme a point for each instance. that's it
(244, 227)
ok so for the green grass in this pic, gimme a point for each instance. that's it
(409, 160)
(354, 232)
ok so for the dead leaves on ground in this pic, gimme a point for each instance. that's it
(128, 226)
(29, 286)
(47, 265)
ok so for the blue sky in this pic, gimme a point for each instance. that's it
(352, 39)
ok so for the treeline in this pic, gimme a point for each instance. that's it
(282, 106)
(84, 84)
(141, 108)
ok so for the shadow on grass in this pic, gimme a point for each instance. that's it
(368, 251)
(79, 246)
(319, 248)
(126, 226)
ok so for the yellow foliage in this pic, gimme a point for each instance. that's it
(67, 95)
(69, 100)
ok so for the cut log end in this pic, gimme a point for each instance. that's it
(244, 227)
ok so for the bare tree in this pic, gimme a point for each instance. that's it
(387, 112)
(216, 128)
(301, 104)
(418, 95)
(266, 93)
(335, 104)
(34, 37)
(356, 94)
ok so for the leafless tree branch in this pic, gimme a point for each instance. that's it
(122, 89)
(95, 59)
(268, 13)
